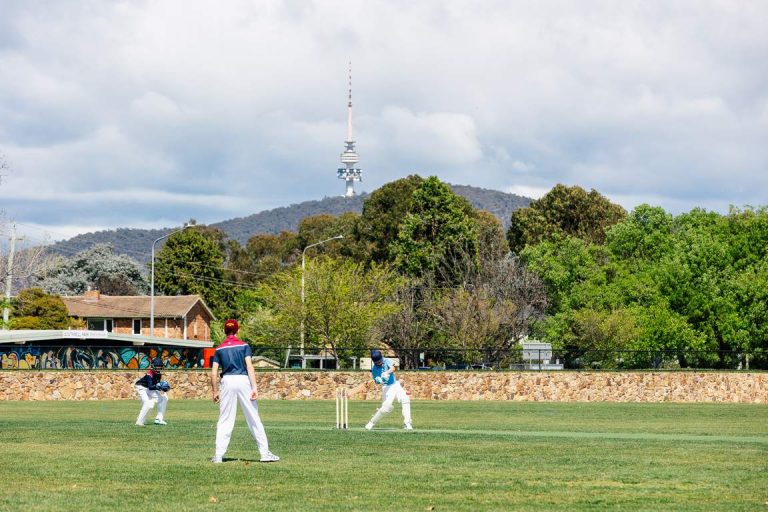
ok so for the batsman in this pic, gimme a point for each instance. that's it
(383, 372)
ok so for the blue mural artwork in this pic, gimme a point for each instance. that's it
(88, 358)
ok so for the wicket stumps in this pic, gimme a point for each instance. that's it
(342, 408)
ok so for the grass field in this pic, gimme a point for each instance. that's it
(471, 456)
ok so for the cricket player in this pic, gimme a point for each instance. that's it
(238, 384)
(383, 372)
(150, 393)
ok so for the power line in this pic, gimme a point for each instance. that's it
(230, 269)
(205, 278)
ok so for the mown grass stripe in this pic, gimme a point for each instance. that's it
(546, 433)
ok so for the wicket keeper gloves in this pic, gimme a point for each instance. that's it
(378, 380)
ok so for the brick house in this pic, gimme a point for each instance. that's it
(184, 317)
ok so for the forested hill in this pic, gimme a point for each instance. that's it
(137, 243)
(287, 218)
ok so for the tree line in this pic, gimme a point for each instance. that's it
(420, 269)
(137, 242)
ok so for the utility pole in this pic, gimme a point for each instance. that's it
(303, 312)
(152, 280)
(9, 277)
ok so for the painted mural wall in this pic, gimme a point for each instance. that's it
(15, 357)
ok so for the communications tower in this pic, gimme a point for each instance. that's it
(349, 157)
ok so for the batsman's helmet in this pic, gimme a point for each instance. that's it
(231, 326)
(376, 356)
(157, 362)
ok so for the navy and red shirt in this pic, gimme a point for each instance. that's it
(231, 356)
(150, 380)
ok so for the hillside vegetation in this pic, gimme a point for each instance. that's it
(138, 242)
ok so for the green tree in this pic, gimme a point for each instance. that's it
(263, 256)
(598, 333)
(563, 263)
(646, 234)
(491, 241)
(322, 227)
(563, 211)
(750, 292)
(661, 329)
(712, 255)
(32, 308)
(343, 304)
(192, 263)
(383, 213)
(257, 325)
(689, 289)
(437, 235)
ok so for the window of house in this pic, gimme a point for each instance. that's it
(100, 324)
(137, 326)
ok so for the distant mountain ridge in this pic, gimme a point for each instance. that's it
(137, 243)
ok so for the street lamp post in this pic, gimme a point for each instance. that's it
(303, 254)
(152, 281)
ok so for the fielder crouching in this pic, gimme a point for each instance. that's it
(151, 389)
(383, 372)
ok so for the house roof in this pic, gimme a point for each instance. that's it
(31, 337)
(132, 306)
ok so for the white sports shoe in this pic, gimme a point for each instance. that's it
(139, 424)
(368, 426)
(408, 426)
(269, 457)
(216, 460)
(160, 422)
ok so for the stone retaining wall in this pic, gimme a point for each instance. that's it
(558, 386)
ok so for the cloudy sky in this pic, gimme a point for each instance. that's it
(148, 113)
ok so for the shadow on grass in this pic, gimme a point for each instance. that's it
(236, 459)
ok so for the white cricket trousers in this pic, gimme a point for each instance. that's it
(150, 397)
(236, 388)
(388, 396)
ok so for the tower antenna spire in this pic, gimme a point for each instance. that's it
(349, 157)
(349, 107)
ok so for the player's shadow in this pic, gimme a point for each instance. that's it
(236, 459)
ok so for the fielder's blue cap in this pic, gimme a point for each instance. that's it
(376, 356)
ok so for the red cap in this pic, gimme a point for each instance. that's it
(231, 326)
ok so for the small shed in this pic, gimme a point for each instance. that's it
(537, 355)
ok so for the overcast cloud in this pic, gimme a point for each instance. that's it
(145, 114)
